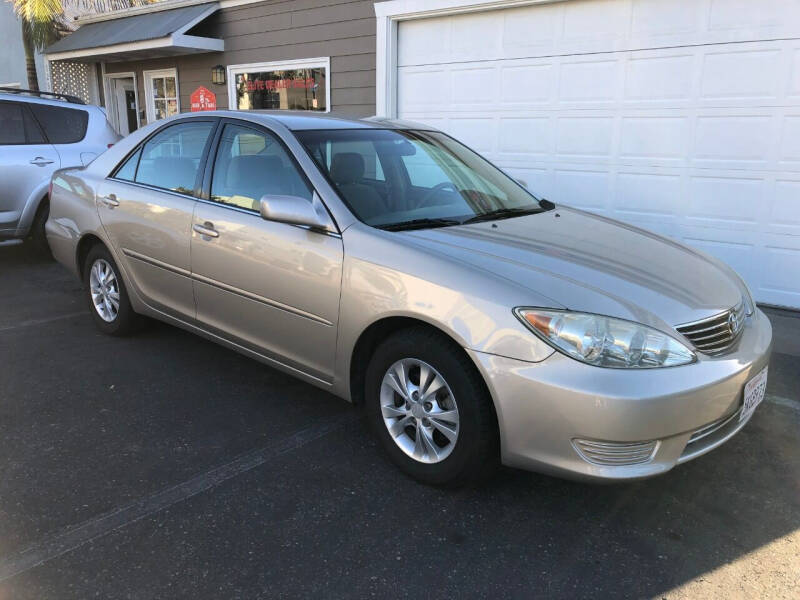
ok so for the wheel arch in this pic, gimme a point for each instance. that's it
(85, 245)
(375, 333)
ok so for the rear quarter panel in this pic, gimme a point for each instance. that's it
(73, 214)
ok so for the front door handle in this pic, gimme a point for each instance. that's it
(41, 161)
(206, 229)
(110, 201)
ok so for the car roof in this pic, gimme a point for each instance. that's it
(305, 120)
(27, 98)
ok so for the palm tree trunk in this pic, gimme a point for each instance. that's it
(30, 59)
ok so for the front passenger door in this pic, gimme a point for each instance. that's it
(273, 287)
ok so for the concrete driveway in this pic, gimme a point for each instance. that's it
(164, 466)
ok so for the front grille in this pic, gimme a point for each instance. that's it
(715, 334)
(615, 454)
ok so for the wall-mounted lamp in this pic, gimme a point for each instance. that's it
(218, 75)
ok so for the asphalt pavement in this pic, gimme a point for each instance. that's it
(165, 466)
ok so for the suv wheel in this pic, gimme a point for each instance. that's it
(108, 298)
(430, 409)
(38, 234)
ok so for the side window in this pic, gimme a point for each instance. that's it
(171, 158)
(251, 164)
(61, 125)
(18, 127)
(128, 169)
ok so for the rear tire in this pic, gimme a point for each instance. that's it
(442, 430)
(38, 233)
(108, 298)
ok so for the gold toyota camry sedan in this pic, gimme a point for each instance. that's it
(393, 266)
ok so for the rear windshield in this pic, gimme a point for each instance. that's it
(61, 125)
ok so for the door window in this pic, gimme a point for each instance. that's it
(250, 164)
(171, 158)
(62, 125)
(18, 126)
(127, 171)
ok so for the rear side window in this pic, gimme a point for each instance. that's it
(61, 125)
(171, 158)
(18, 127)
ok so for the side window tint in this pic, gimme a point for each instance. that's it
(18, 127)
(171, 158)
(128, 169)
(62, 125)
(251, 164)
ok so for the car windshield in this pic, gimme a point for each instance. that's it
(403, 179)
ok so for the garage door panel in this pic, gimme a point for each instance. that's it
(784, 213)
(584, 189)
(659, 76)
(734, 139)
(657, 18)
(779, 266)
(474, 87)
(524, 138)
(676, 115)
(640, 195)
(658, 137)
(729, 202)
(589, 81)
(744, 73)
(528, 84)
(588, 137)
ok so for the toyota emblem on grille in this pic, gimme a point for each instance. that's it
(733, 323)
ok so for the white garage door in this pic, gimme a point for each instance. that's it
(681, 116)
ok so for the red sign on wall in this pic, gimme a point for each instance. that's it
(203, 99)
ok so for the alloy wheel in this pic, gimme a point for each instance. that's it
(419, 410)
(104, 288)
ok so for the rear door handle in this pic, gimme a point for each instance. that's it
(41, 161)
(206, 229)
(110, 201)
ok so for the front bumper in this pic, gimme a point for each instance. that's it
(542, 407)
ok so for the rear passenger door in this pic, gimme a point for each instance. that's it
(273, 287)
(146, 208)
(27, 160)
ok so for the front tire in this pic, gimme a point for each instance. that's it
(431, 410)
(108, 298)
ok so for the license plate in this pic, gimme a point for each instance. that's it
(753, 394)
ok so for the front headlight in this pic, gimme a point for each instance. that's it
(605, 341)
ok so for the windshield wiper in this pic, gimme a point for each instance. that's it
(418, 224)
(504, 213)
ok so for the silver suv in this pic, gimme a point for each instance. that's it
(40, 133)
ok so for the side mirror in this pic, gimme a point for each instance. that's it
(295, 210)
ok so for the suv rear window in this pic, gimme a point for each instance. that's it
(61, 125)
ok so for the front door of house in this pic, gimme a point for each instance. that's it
(161, 93)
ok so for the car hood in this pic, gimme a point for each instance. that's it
(592, 264)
